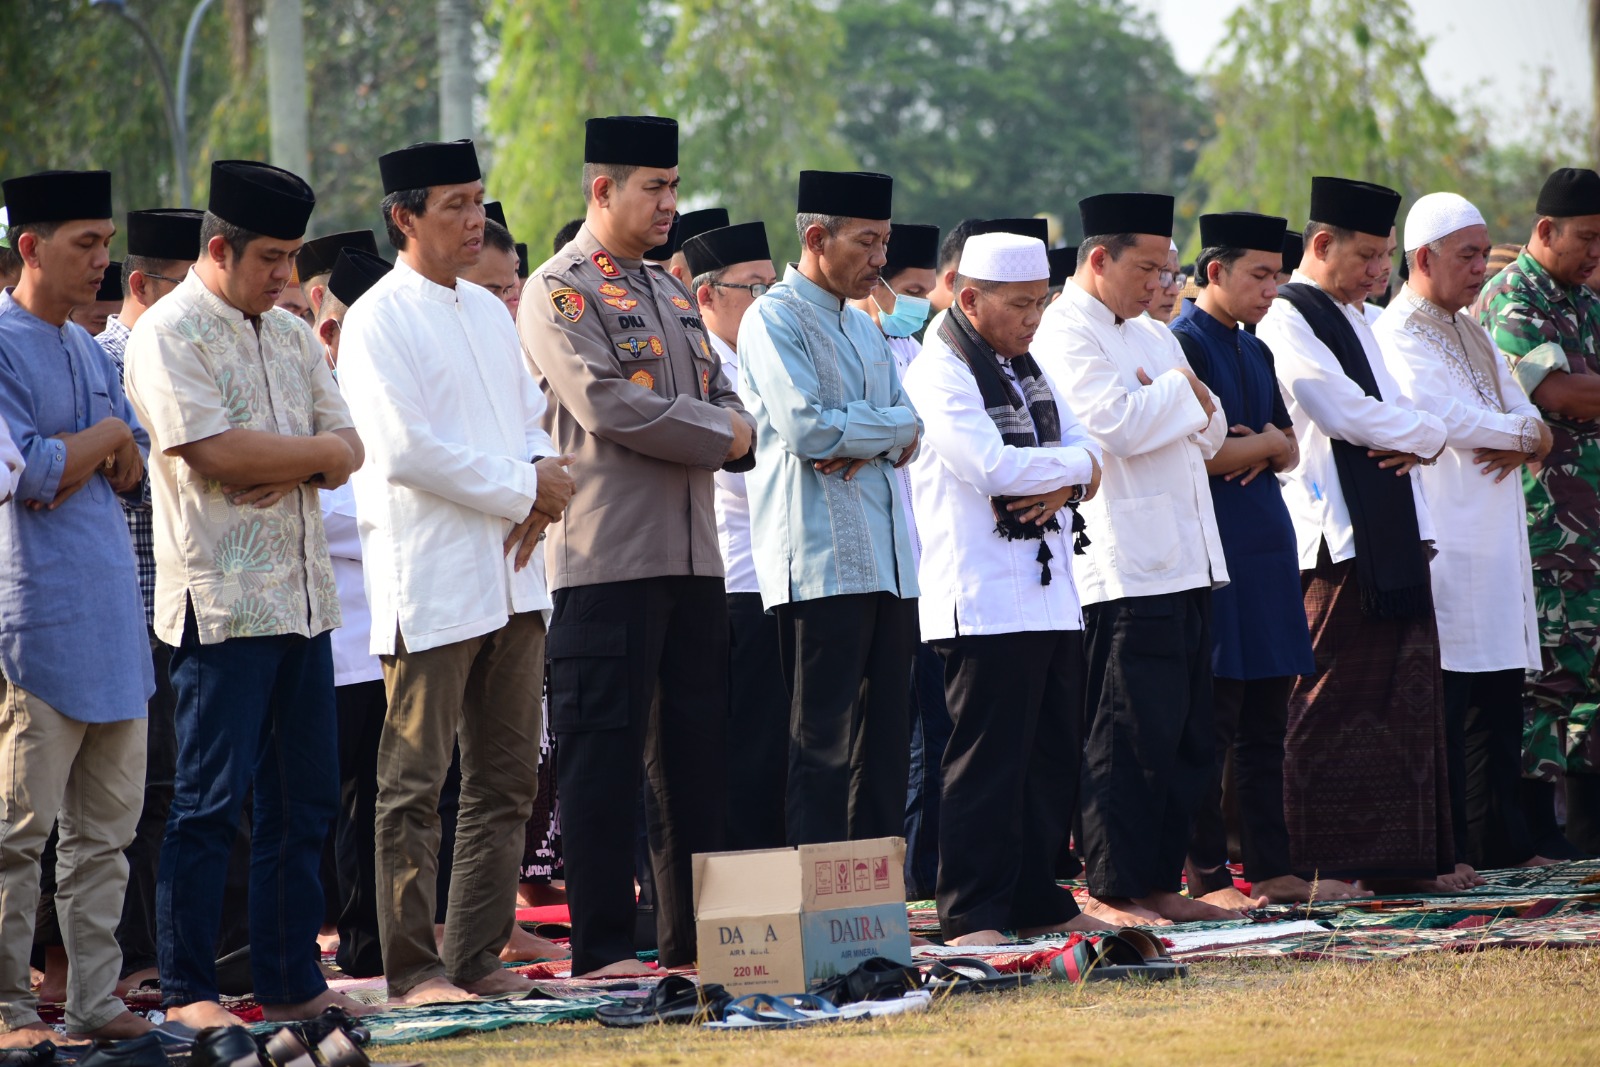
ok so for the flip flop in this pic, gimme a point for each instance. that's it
(967, 974)
(878, 978)
(767, 1012)
(1116, 956)
(675, 999)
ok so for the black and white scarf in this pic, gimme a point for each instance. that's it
(1028, 420)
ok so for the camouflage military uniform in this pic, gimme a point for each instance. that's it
(1523, 308)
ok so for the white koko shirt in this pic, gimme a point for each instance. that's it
(1152, 529)
(1326, 405)
(1483, 576)
(974, 581)
(452, 423)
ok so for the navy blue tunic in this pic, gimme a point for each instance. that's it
(1258, 620)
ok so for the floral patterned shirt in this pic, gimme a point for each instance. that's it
(197, 367)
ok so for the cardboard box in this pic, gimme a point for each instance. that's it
(785, 920)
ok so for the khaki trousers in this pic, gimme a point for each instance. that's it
(90, 778)
(483, 694)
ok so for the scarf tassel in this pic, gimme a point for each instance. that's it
(1080, 538)
(1044, 557)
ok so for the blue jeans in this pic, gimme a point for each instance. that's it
(930, 733)
(251, 712)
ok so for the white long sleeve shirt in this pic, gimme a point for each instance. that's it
(1326, 405)
(1152, 529)
(733, 501)
(353, 660)
(452, 424)
(1483, 574)
(973, 580)
(10, 464)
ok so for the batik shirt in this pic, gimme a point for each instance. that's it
(114, 340)
(197, 367)
(1524, 309)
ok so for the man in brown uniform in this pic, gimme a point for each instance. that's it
(638, 643)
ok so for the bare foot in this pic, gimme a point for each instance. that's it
(980, 937)
(540, 895)
(918, 940)
(33, 1033)
(1178, 908)
(123, 1026)
(1290, 889)
(1395, 886)
(53, 986)
(621, 969)
(1538, 861)
(132, 982)
(497, 982)
(525, 947)
(1230, 899)
(434, 991)
(328, 941)
(1081, 923)
(310, 1009)
(201, 1014)
(1120, 911)
(1464, 878)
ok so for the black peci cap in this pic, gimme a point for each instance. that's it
(716, 249)
(845, 194)
(1569, 192)
(261, 198)
(912, 246)
(165, 233)
(1036, 228)
(1110, 213)
(58, 196)
(354, 272)
(631, 141)
(429, 163)
(318, 255)
(1243, 229)
(1352, 205)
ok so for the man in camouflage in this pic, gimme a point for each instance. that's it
(1547, 322)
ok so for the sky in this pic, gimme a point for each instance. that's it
(1479, 47)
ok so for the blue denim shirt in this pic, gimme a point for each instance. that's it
(72, 628)
(820, 380)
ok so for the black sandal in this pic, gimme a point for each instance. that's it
(879, 978)
(675, 999)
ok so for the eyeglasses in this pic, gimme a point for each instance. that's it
(163, 278)
(757, 290)
(1168, 278)
(501, 291)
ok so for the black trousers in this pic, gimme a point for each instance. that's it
(136, 931)
(638, 678)
(758, 726)
(1148, 755)
(361, 709)
(847, 660)
(1010, 775)
(930, 733)
(1483, 737)
(1251, 718)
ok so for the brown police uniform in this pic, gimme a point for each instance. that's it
(638, 643)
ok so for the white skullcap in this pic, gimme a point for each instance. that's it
(1438, 215)
(1004, 257)
(1173, 243)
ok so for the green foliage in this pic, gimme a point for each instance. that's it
(561, 61)
(1012, 107)
(1308, 87)
(755, 105)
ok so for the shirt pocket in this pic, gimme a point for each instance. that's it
(588, 676)
(880, 382)
(1144, 534)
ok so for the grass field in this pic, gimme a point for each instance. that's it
(1502, 1007)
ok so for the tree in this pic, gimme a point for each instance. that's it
(1012, 107)
(1308, 87)
(561, 62)
(755, 107)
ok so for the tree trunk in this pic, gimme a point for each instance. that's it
(457, 84)
(286, 86)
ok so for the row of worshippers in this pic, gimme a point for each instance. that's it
(464, 447)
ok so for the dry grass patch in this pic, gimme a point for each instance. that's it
(1496, 1007)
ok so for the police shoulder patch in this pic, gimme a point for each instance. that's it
(569, 304)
